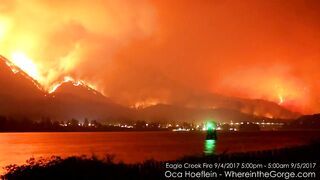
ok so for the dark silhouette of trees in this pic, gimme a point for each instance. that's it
(86, 122)
(73, 123)
(248, 126)
(140, 124)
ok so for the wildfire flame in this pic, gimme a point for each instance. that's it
(15, 69)
(147, 103)
(281, 99)
(22, 64)
(74, 82)
(281, 94)
(26, 64)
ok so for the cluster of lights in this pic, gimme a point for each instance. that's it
(126, 126)
(213, 126)
(79, 124)
(182, 129)
(209, 126)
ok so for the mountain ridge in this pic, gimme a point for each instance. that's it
(26, 96)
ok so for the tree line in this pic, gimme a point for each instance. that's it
(8, 124)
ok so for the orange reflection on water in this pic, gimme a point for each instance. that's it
(132, 147)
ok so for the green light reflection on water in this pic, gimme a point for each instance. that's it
(209, 147)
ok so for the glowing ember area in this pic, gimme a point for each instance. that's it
(74, 82)
(13, 67)
(22, 64)
(147, 103)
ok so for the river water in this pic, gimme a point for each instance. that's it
(132, 147)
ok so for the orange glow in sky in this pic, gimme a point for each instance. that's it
(171, 51)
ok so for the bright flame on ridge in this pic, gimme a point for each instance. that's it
(26, 64)
(21, 62)
(74, 82)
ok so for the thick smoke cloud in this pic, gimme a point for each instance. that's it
(173, 51)
(60, 35)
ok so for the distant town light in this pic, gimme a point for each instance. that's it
(181, 129)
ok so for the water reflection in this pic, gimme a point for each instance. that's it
(209, 147)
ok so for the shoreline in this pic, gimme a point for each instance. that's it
(166, 130)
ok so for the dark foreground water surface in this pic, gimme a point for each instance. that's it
(131, 147)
